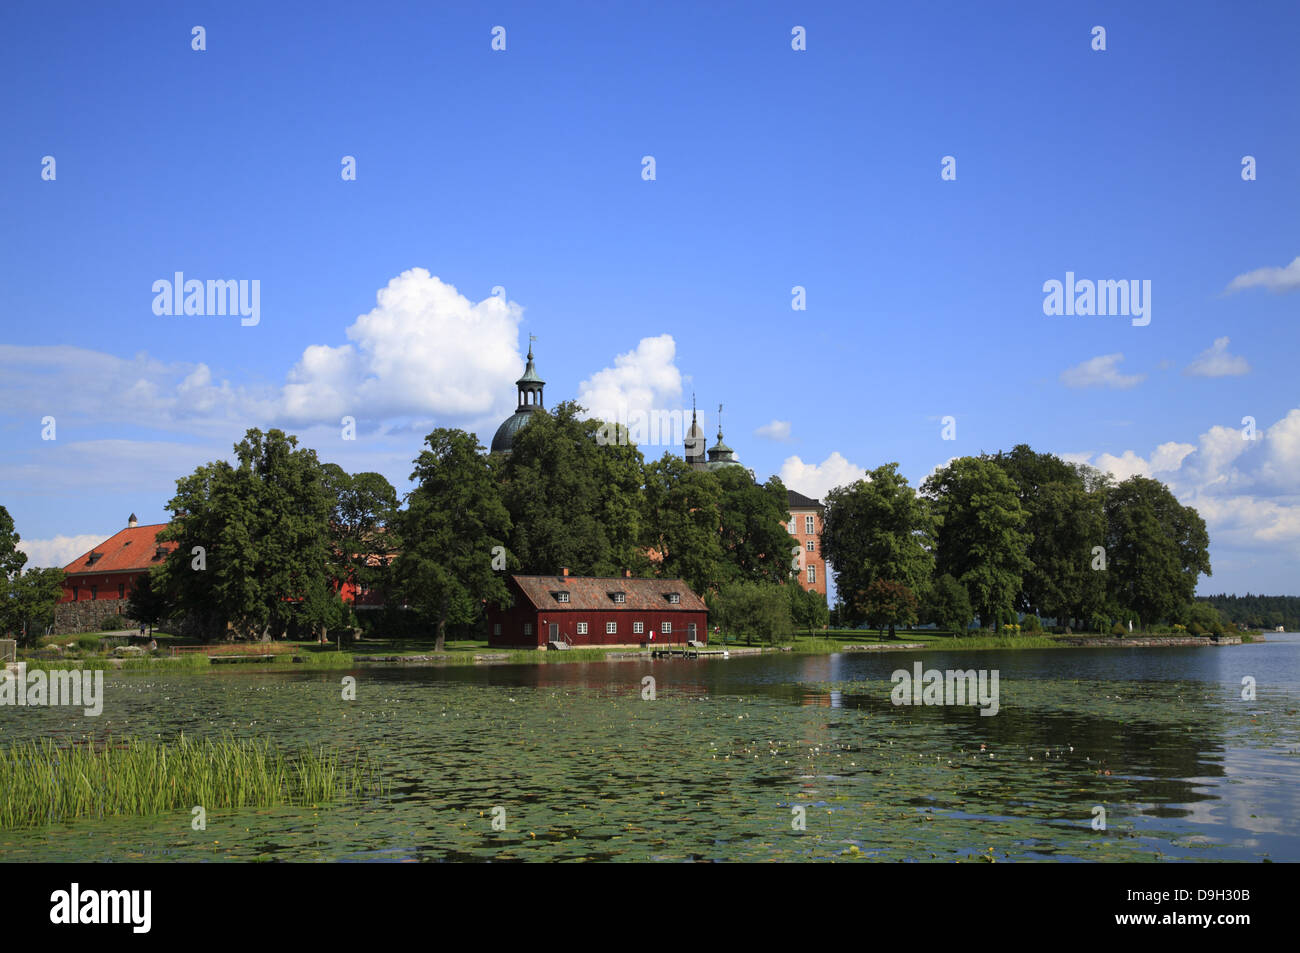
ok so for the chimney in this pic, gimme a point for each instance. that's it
(565, 571)
(131, 522)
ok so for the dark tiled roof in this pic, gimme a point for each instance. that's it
(797, 501)
(134, 549)
(592, 593)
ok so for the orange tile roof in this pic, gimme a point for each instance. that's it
(134, 549)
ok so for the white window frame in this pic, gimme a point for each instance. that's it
(582, 628)
(812, 575)
(611, 628)
(809, 524)
(666, 628)
(675, 598)
(638, 628)
(812, 546)
(561, 597)
(790, 527)
(620, 597)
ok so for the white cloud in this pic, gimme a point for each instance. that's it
(75, 385)
(776, 430)
(1278, 280)
(424, 349)
(59, 551)
(1248, 491)
(1215, 361)
(1100, 371)
(642, 380)
(817, 479)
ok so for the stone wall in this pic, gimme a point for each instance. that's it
(86, 615)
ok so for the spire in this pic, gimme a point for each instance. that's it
(719, 423)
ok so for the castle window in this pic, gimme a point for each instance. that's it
(121, 590)
(94, 593)
(812, 546)
(812, 574)
(808, 525)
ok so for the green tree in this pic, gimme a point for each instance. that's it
(757, 610)
(30, 597)
(453, 520)
(683, 520)
(755, 544)
(808, 609)
(148, 601)
(949, 605)
(1156, 549)
(981, 541)
(878, 528)
(575, 502)
(12, 559)
(886, 602)
(361, 543)
(253, 539)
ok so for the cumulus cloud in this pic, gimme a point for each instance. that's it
(58, 551)
(1277, 280)
(1215, 361)
(817, 479)
(776, 430)
(1100, 371)
(643, 380)
(424, 349)
(1247, 490)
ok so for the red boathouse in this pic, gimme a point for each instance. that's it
(597, 610)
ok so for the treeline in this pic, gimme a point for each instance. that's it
(992, 537)
(1258, 612)
(27, 597)
(262, 540)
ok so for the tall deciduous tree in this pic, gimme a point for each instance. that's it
(981, 541)
(453, 520)
(253, 540)
(1064, 503)
(755, 544)
(1156, 549)
(878, 528)
(683, 520)
(361, 543)
(29, 600)
(574, 502)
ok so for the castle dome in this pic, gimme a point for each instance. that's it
(530, 402)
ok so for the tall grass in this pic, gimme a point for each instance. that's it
(44, 783)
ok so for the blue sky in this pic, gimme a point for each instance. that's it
(774, 168)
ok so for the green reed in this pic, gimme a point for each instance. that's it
(44, 783)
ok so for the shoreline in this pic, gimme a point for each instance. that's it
(336, 660)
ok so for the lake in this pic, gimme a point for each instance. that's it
(731, 756)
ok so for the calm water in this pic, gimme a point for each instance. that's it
(712, 767)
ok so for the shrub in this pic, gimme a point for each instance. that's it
(88, 643)
(1100, 623)
(114, 623)
(1031, 623)
(1118, 629)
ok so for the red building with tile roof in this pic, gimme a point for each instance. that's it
(97, 584)
(597, 610)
